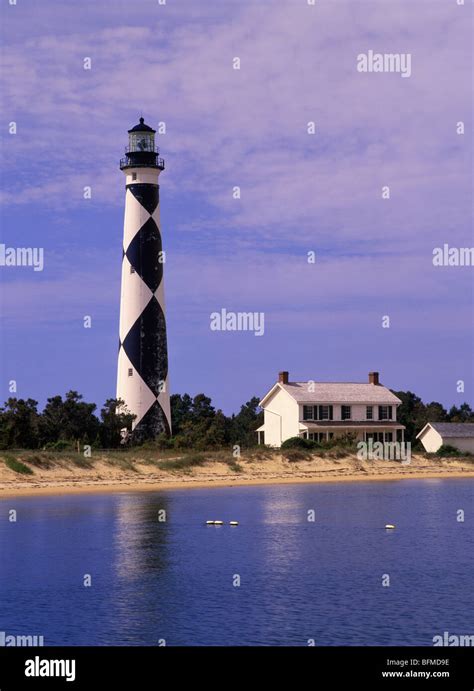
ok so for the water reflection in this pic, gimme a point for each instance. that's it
(140, 535)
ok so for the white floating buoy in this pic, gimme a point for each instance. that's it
(218, 522)
(210, 522)
(233, 523)
(389, 526)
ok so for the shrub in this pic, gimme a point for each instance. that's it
(81, 461)
(234, 466)
(294, 455)
(163, 442)
(17, 466)
(344, 441)
(184, 463)
(448, 450)
(299, 443)
(336, 452)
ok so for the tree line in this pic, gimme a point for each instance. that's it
(71, 421)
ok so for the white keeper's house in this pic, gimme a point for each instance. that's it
(326, 410)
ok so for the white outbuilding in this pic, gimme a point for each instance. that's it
(457, 434)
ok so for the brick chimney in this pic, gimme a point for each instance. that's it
(283, 377)
(374, 378)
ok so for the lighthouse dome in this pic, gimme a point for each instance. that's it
(142, 127)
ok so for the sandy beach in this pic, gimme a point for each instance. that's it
(121, 474)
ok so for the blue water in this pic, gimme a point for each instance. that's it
(298, 580)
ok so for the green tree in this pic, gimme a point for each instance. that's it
(72, 419)
(411, 413)
(217, 433)
(435, 412)
(202, 408)
(180, 410)
(51, 422)
(19, 424)
(114, 418)
(462, 414)
(194, 422)
(244, 424)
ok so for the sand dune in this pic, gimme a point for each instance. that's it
(53, 474)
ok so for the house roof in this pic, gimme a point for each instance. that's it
(344, 392)
(461, 430)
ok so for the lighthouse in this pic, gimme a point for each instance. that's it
(142, 373)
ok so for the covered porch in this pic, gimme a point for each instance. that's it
(385, 432)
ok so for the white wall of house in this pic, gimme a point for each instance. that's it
(431, 440)
(461, 443)
(280, 418)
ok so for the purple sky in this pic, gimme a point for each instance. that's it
(299, 192)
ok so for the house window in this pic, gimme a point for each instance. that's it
(132, 269)
(325, 412)
(317, 436)
(134, 176)
(130, 372)
(369, 412)
(317, 412)
(385, 412)
(345, 412)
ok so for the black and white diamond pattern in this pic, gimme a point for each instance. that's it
(142, 380)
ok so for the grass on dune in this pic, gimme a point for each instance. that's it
(16, 465)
